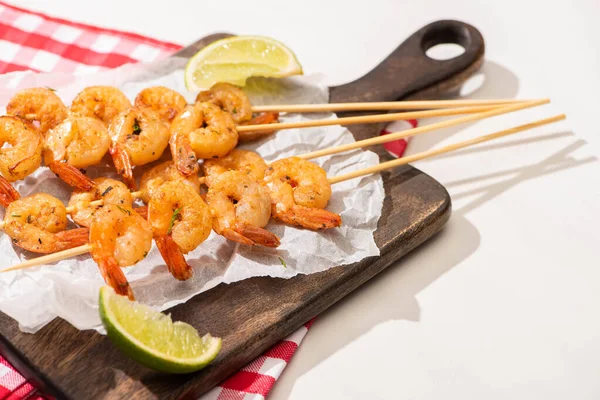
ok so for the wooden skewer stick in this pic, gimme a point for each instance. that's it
(366, 119)
(366, 171)
(50, 258)
(385, 105)
(432, 153)
(422, 129)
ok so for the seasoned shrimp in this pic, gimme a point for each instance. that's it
(241, 207)
(38, 105)
(110, 191)
(180, 221)
(37, 223)
(230, 98)
(166, 102)
(161, 173)
(248, 162)
(201, 130)
(77, 142)
(299, 193)
(24, 155)
(138, 137)
(100, 102)
(119, 238)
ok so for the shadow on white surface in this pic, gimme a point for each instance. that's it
(558, 161)
(498, 83)
(390, 296)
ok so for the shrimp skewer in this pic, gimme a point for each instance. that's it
(166, 102)
(21, 158)
(247, 162)
(233, 100)
(158, 175)
(180, 222)
(100, 102)
(119, 238)
(38, 223)
(299, 193)
(76, 143)
(241, 208)
(138, 137)
(110, 191)
(201, 130)
(38, 105)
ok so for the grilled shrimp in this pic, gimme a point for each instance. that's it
(241, 207)
(138, 137)
(166, 102)
(119, 238)
(100, 102)
(37, 223)
(161, 173)
(201, 130)
(232, 99)
(247, 162)
(299, 193)
(21, 157)
(77, 142)
(38, 105)
(180, 222)
(110, 191)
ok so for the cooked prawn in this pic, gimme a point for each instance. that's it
(110, 191)
(138, 137)
(164, 172)
(119, 238)
(241, 207)
(166, 102)
(25, 152)
(260, 119)
(229, 98)
(248, 162)
(37, 223)
(299, 193)
(100, 102)
(77, 142)
(180, 221)
(201, 130)
(38, 105)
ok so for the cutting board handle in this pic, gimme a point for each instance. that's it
(409, 72)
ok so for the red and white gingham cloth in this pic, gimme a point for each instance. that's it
(34, 41)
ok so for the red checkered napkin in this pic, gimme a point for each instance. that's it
(34, 41)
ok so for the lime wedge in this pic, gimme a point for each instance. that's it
(237, 58)
(152, 339)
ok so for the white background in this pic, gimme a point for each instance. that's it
(505, 302)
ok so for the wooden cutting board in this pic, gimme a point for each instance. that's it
(253, 315)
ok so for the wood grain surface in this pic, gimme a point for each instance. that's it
(253, 315)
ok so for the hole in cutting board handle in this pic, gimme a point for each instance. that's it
(443, 43)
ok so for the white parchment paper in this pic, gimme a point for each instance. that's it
(69, 288)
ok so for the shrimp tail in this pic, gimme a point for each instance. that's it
(235, 236)
(72, 238)
(258, 235)
(122, 163)
(184, 156)
(261, 119)
(8, 193)
(114, 277)
(142, 211)
(173, 257)
(71, 175)
(315, 219)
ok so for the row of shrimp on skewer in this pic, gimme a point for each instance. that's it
(101, 119)
(243, 191)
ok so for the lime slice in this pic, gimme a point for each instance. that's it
(152, 339)
(237, 58)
